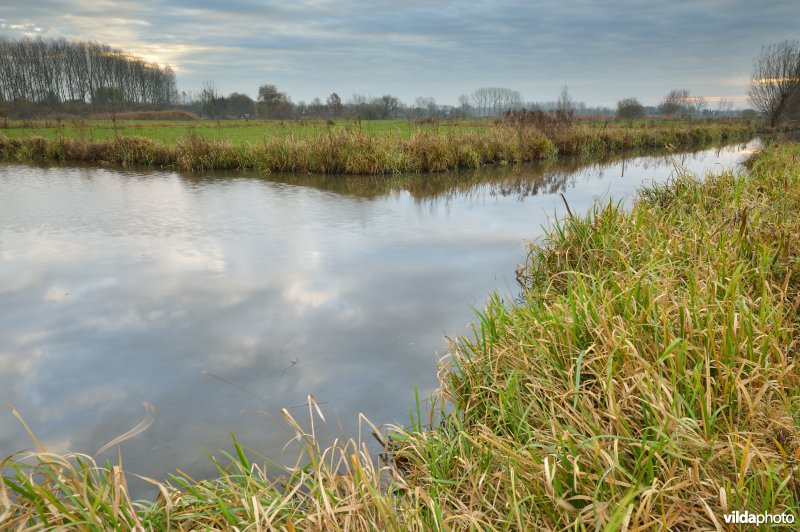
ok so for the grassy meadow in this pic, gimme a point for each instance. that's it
(645, 379)
(234, 132)
(343, 147)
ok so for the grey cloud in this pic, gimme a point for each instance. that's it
(606, 50)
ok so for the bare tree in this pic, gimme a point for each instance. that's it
(514, 101)
(480, 99)
(504, 99)
(425, 105)
(565, 102)
(676, 102)
(495, 100)
(334, 104)
(433, 108)
(316, 108)
(697, 104)
(212, 103)
(463, 105)
(57, 73)
(724, 105)
(775, 83)
(363, 107)
(387, 105)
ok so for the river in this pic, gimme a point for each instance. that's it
(222, 299)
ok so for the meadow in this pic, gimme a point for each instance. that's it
(344, 147)
(644, 379)
(231, 131)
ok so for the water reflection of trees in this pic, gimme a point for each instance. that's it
(523, 180)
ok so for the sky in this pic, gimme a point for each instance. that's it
(603, 51)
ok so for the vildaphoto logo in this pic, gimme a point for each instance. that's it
(747, 518)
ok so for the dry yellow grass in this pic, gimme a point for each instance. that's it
(348, 150)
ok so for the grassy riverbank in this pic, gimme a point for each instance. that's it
(346, 148)
(645, 380)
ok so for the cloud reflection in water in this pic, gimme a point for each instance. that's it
(118, 288)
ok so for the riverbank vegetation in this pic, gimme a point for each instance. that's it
(643, 379)
(381, 147)
(549, 176)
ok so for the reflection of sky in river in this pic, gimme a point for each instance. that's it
(120, 287)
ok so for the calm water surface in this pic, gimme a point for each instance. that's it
(121, 287)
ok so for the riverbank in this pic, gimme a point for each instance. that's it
(644, 379)
(349, 150)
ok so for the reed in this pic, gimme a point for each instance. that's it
(645, 379)
(347, 150)
(648, 378)
(585, 139)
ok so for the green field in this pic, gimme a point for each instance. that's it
(256, 131)
(232, 131)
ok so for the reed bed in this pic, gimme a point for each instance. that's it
(588, 139)
(349, 151)
(644, 379)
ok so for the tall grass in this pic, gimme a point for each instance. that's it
(648, 380)
(644, 380)
(613, 137)
(547, 176)
(349, 151)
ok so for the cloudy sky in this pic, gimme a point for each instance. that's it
(602, 50)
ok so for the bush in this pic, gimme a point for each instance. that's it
(630, 108)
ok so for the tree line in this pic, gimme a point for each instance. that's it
(678, 103)
(774, 90)
(57, 74)
(271, 103)
(40, 76)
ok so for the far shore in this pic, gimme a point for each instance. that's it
(378, 148)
